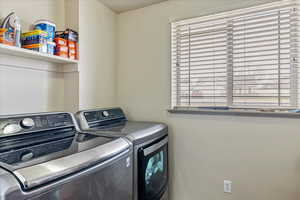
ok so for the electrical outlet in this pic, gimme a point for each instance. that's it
(227, 186)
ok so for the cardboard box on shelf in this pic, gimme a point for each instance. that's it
(6, 37)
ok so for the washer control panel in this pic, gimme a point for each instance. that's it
(104, 115)
(24, 124)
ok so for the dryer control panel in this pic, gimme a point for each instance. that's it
(104, 115)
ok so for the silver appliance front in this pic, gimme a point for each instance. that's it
(107, 180)
(147, 137)
(37, 164)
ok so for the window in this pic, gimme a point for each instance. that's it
(246, 58)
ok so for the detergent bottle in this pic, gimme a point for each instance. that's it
(13, 25)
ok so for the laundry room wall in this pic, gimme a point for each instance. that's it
(261, 156)
(28, 85)
(97, 27)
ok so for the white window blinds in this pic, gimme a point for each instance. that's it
(244, 58)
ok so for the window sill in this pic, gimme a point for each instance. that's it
(233, 112)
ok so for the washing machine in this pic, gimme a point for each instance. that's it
(150, 143)
(44, 157)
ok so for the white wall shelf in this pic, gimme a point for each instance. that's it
(25, 53)
(53, 81)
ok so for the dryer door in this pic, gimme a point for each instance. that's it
(153, 170)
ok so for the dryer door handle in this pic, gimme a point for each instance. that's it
(155, 147)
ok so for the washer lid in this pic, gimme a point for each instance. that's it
(43, 173)
(137, 132)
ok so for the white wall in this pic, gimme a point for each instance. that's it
(40, 90)
(31, 90)
(97, 27)
(260, 155)
(31, 10)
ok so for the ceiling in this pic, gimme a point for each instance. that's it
(125, 5)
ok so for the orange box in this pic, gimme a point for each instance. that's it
(62, 54)
(72, 56)
(60, 41)
(72, 44)
(72, 51)
(62, 49)
(77, 51)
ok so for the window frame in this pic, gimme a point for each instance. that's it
(229, 90)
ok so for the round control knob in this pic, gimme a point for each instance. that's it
(11, 129)
(27, 123)
(105, 114)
